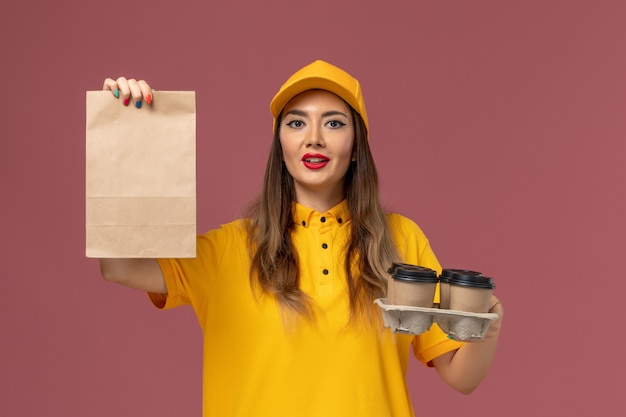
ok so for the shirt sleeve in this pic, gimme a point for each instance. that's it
(173, 275)
(189, 280)
(414, 248)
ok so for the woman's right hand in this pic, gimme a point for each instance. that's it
(129, 90)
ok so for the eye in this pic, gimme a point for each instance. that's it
(335, 124)
(296, 124)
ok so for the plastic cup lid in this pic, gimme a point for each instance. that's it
(395, 265)
(475, 281)
(450, 272)
(414, 273)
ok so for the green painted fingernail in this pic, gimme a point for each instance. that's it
(117, 93)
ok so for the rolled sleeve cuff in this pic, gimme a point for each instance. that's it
(173, 297)
(434, 344)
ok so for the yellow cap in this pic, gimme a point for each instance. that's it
(321, 75)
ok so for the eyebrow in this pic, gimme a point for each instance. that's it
(325, 114)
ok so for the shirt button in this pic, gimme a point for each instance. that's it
(323, 219)
(339, 220)
(325, 272)
(324, 246)
(303, 223)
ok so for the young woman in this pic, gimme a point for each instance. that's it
(285, 296)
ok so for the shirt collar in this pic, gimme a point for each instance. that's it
(305, 216)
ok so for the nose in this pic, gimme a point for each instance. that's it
(315, 136)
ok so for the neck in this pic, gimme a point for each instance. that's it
(319, 200)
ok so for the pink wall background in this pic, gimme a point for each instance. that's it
(497, 125)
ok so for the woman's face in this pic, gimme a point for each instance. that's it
(317, 137)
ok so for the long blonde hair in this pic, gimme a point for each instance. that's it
(369, 252)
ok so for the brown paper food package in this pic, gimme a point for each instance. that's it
(141, 176)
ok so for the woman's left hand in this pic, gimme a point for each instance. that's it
(129, 89)
(495, 326)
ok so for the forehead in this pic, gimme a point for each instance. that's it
(318, 98)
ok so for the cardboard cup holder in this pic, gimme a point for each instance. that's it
(461, 325)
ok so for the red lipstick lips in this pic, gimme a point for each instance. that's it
(315, 160)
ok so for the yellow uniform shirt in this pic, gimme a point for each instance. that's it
(254, 366)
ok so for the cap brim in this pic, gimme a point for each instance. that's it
(310, 83)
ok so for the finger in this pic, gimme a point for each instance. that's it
(111, 85)
(496, 306)
(122, 85)
(135, 92)
(146, 91)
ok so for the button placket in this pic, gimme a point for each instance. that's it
(325, 252)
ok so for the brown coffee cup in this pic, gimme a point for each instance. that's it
(414, 286)
(390, 280)
(444, 289)
(470, 292)
(444, 284)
